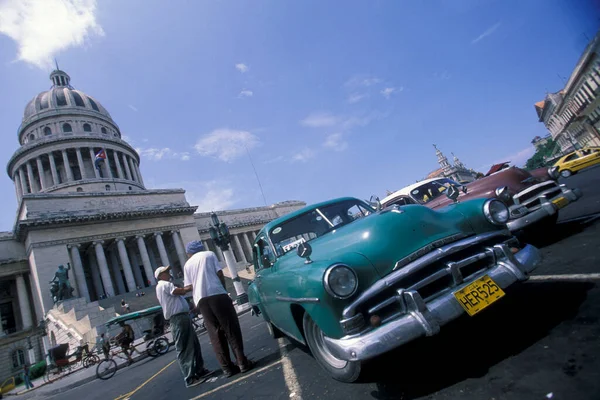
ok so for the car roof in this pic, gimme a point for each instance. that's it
(406, 190)
(303, 210)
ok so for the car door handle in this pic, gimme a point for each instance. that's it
(278, 293)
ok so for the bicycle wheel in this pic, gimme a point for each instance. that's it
(161, 346)
(150, 349)
(106, 369)
(93, 359)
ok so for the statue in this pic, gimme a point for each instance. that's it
(60, 287)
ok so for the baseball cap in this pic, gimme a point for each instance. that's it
(160, 270)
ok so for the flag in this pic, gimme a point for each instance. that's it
(100, 156)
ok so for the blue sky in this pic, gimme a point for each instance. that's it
(329, 98)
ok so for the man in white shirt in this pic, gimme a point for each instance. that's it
(176, 310)
(204, 274)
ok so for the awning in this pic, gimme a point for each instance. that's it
(134, 315)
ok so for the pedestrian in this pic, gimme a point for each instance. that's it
(126, 338)
(104, 345)
(176, 311)
(26, 378)
(125, 306)
(204, 274)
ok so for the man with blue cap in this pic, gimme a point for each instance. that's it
(204, 274)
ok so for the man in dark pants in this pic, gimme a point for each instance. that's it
(203, 272)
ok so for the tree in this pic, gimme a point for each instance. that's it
(538, 160)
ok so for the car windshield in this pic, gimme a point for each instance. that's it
(432, 190)
(315, 223)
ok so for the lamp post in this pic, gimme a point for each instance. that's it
(219, 233)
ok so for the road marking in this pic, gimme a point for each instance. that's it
(255, 326)
(245, 376)
(566, 277)
(128, 395)
(291, 380)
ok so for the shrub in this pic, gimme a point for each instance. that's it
(37, 370)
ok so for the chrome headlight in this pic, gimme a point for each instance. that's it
(496, 212)
(340, 281)
(553, 172)
(502, 193)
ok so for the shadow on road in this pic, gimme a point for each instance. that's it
(553, 234)
(468, 347)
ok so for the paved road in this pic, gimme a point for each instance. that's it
(541, 339)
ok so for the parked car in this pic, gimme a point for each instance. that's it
(353, 282)
(578, 160)
(533, 202)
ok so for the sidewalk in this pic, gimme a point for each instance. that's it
(82, 375)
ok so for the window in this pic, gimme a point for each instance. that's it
(93, 104)
(87, 128)
(78, 100)
(67, 128)
(432, 190)
(130, 188)
(61, 100)
(103, 130)
(18, 358)
(31, 136)
(107, 188)
(263, 254)
(80, 189)
(572, 157)
(47, 131)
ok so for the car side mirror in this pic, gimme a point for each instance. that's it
(452, 193)
(464, 189)
(375, 199)
(304, 251)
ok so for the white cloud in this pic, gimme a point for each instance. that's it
(242, 67)
(304, 155)
(487, 33)
(134, 108)
(319, 120)
(245, 93)
(517, 159)
(156, 154)
(207, 195)
(356, 97)
(362, 80)
(43, 28)
(274, 160)
(226, 144)
(336, 142)
(388, 91)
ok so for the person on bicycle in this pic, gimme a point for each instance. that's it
(126, 338)
(104, 345)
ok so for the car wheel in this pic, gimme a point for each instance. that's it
(273, 331)
(565, 173)
(341, 370)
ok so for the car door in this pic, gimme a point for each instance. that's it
(571, 161)
(588, 158)
(264, 276)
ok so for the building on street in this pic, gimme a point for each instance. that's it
(456, 171)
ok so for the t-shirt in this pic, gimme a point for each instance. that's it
(171, 303)
(201, 270)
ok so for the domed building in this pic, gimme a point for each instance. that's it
(82, 204)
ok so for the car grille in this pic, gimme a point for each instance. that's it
(435, 279)
(530, 197)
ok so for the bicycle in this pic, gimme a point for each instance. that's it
(107, 367)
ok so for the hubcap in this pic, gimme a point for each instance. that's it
(322, 349)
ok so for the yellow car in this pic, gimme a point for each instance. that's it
(578, 160)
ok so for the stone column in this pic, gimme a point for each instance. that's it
(126, 164)
(78, 271)
(133, 171)
(145, 260)
(80, 163)
(22, 179)
(116, 271)
(103, 267)
(32, 184)
(242, 297)
(67, 166)
(219, 253)
(107, 165)
(138, 172)
(248, 243)
(41, 173)
(17, 180)
(238, 246)
(164, 259)
(135, 266)
(53, 168)
(118, 164)
(24, 307)
(126, 265)
(179, 248)
(93, 158)
(96, 279)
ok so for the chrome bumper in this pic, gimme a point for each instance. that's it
(425, 319)
(546, 209)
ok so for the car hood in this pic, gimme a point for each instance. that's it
(387, 236)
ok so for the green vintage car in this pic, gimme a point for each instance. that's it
(353, 282)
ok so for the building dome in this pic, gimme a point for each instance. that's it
(62, 97)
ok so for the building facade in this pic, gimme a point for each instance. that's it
(82, 203)
(572, 115)
(456, 171)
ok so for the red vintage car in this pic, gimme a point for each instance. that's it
(533, 201)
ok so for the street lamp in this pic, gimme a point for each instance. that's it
(219, 233)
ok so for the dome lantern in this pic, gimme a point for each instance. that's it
(60, 78)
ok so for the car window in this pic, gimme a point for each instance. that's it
(432, 190)
(262, 248)
(572, 157)
(401, 201)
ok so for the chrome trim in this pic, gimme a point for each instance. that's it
(426, 318)
(326, 281)
(298, 299)
(396, 276)
(428, 248)
(490, 217)
(517, 196)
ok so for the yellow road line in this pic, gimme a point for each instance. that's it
(237, 380)
(128, 395)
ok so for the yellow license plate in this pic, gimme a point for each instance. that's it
(478, 295)
(560, 202)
